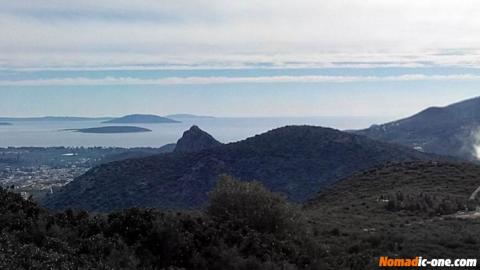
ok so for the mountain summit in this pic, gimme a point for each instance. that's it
(194, 140)
(452, 130)
(295, 160)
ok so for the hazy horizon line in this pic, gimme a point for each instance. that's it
(195, 115)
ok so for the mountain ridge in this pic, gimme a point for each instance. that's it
(294, 160)
(451, 130)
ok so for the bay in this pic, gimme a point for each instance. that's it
(52, 133)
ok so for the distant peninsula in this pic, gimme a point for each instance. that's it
(187, 116)
(141, 118)
(111, 129)
(5, 124)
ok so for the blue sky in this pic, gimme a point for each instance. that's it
(243, 58)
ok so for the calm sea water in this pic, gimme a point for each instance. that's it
(45, 134)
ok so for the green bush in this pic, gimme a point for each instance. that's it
(430, 203)
(257, 230)
(251, 204)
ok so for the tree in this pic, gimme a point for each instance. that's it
(251, 204)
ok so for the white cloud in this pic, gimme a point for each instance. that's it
(82, 81)
(107, 32)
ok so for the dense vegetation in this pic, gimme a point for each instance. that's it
(244, 227)
(295, 160)
(451, 130)
(398, 210)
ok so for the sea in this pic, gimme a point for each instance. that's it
(226, 130)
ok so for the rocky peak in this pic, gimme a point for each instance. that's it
(194, 140)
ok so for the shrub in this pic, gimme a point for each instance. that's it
(251, 204)
(254, 229)
(430, 203)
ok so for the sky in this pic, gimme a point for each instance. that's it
(237, 58)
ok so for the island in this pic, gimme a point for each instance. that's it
(111, 129)
(141, 118)
(5, 124)
(188, 116)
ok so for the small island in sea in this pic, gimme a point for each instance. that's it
(188, 116)
(141, 118)
(111, 129)
(5, 124)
